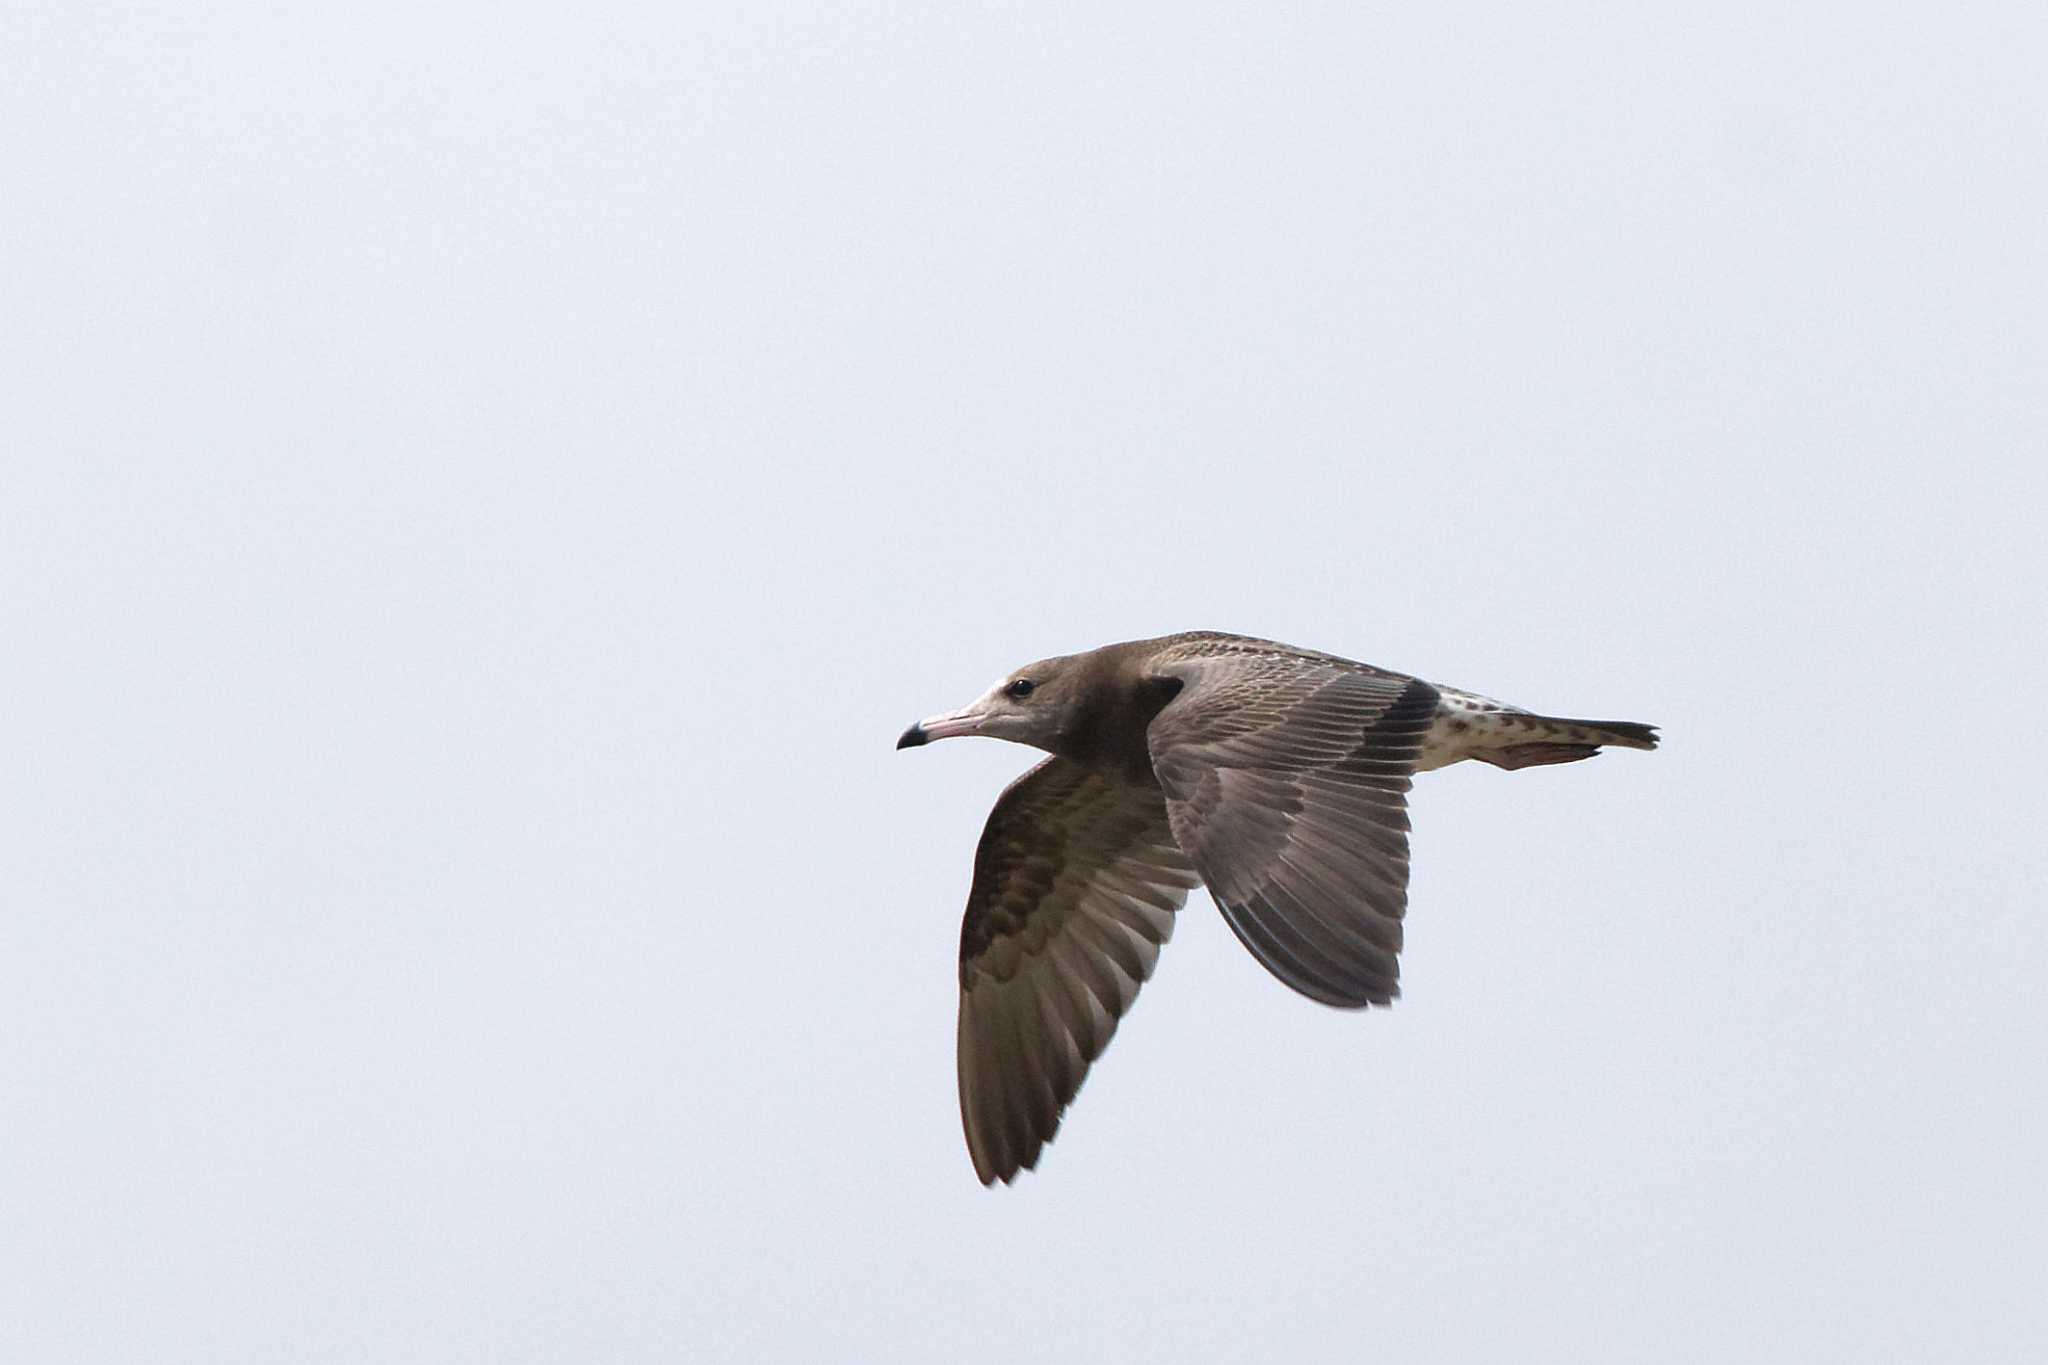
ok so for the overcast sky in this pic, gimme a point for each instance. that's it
(483, 488)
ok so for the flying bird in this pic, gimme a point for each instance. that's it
(1276, 776)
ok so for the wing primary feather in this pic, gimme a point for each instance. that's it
(1283, 953)
(1353, 934)
(1362, 967)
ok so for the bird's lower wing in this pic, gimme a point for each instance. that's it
(1076, 882)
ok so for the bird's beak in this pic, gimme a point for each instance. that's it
(966, 721)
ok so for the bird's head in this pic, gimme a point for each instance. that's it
(1035, 705)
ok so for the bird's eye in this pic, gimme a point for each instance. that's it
(1019, 689)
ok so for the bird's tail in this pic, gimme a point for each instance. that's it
(1554, 739)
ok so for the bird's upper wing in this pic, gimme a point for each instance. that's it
(1076, 883)
(1286, 779)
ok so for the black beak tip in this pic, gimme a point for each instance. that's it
(913, 737)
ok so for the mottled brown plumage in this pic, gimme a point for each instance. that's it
(1277, 776)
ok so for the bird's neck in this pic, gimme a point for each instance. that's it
(1108, 732)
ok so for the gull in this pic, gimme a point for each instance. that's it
(1275, 776)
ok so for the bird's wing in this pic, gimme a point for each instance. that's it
(1076, 883)
(1286, 780)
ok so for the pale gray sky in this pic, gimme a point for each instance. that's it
(484, 488)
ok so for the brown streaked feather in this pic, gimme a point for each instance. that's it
(1286, 775)
(1076, 883)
